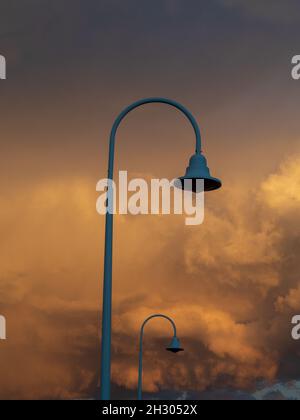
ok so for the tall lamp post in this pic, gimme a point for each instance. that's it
(197, 170)
(174, 347)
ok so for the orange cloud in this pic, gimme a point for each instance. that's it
(220, 281)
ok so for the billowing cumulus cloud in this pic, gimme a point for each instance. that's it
(281, 191)
(290, 301)
(224, 282)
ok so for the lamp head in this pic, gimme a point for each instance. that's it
(198, 169)
(174, 346)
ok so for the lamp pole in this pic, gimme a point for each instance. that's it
(198, 158)
(174, 347)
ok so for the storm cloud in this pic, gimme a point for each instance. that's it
(231, 284)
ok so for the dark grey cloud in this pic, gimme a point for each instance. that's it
(285, 12)
(280, 391)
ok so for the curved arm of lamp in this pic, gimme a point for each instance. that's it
(140, 373)
(137, 104)
(159, 316)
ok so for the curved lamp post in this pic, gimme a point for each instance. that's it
(197, 169)
(174, 347)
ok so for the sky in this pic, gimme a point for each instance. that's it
(231, 284)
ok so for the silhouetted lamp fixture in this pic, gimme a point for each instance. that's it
(198, 170)
(174, 347)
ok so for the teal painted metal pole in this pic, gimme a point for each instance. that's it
(140, 377)
(108, 252)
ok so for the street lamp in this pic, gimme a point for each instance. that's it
(197, 170)
(174, 347)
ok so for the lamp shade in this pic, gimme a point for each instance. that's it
(174, 346)
(198, 170)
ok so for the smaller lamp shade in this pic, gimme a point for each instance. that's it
(198, 169)
(175, 347)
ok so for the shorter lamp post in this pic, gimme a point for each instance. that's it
(174, 347)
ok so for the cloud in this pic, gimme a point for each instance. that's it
(234, 266)
(51, 316)
(269, 10)
(281, 191)
(225, 283)
(289, 302)
(280, 391)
